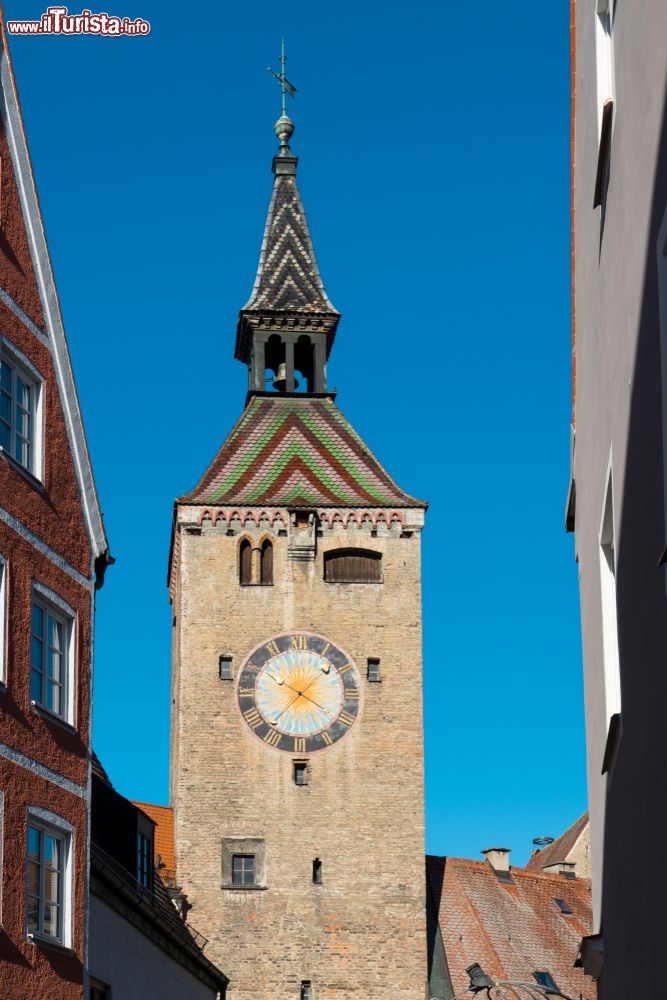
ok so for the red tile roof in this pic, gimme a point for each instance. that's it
(512, 930)
(561, 847)
(163, 817)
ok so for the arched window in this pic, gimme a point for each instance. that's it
(245, 563)
(266, 564)
(353, 566)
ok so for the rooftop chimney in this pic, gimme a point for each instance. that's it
(498, 858)
(566, 868)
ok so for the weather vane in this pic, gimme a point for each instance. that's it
(285, 86)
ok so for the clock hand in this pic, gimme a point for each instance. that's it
(313, 702)
(310, 683)
(274, 722)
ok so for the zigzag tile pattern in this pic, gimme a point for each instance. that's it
(288, 278)
(296, 452)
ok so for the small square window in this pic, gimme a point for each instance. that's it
(306, 990)
(51, 655)
(243, 869)
(562, 906)
(300, 772)
(98, 990)
(373, 671)
(225, 665)
(20, 410)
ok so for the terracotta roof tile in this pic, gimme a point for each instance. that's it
(286, 451)
(163, 817)
(512, 930)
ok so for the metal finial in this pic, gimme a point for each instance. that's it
(284, 127)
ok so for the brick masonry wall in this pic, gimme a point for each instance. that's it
(362, 932)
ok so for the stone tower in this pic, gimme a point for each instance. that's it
(297, 745)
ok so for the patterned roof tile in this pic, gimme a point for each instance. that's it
(288, 279)
(286, 451)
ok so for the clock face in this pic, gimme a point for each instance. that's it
(298, 692)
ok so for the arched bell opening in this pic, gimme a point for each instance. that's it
(274, 359)
(304, 362)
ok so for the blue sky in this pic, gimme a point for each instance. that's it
(434, 168)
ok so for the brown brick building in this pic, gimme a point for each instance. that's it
(53, 552)
(297, 749)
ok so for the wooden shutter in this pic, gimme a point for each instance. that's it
(245, 559)
(353, 566)
(266, 570)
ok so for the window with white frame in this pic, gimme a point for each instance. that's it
(604, 54)
(48, 877)
(20, 409)
(51, 654)
(607, 559)
(3, 620)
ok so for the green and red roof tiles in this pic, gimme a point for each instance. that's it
(292, 452)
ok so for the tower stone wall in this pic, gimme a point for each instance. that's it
(361, 932)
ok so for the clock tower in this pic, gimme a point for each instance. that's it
(297, 744)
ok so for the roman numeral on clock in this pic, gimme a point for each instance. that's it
(245, 692)
(252, 717)
(326, 739)
(299, 744)
(299, 642)
(273, 738)
(272, 648)
(352, 694)
(346, 718)
(344, 669)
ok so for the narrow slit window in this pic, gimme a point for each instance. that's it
(245, 563)
(144, 866)
(604, 56)
(306, 990)
(607, 560)
(266, 564)
(317, 872)
(300, 772)
(225, 668)
(373, 671)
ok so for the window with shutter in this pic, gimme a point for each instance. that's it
(245, 563)
(353, 566)
(266, 564)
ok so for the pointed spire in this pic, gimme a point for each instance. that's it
(288, 292)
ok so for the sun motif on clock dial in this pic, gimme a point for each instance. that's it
(299, 692)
